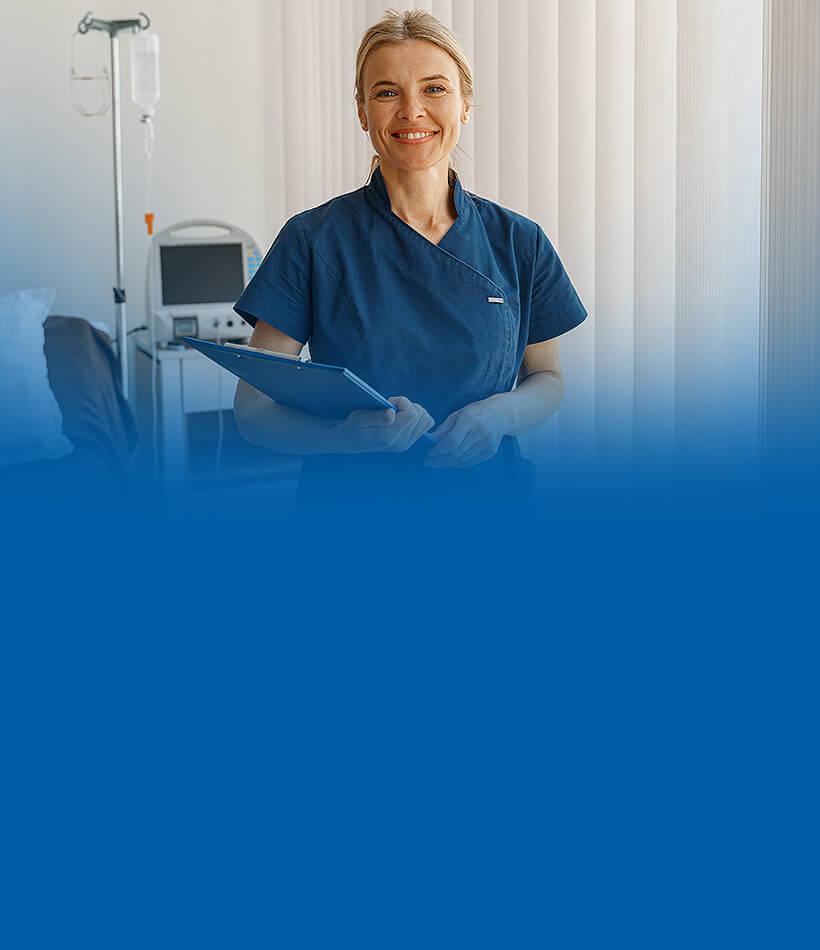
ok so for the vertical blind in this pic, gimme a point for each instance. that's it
(632, 131)
(790, 311)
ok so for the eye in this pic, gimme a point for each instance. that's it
(389, 93)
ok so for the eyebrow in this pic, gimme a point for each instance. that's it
(387, 82)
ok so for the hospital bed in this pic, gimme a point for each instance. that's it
(83, 375)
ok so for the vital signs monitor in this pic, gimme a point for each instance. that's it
(196, 272)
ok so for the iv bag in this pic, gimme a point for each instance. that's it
(145, 71)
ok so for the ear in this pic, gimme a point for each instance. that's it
(465, 115)
(361, 114)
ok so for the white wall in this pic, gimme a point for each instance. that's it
(57, 168)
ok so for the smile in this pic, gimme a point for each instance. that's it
(414, 137)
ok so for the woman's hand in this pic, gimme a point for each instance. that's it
(384, 430)
(468, 436)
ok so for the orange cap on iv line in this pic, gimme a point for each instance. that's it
(149, 221)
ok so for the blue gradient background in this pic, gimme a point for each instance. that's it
(588, 723)
(574, 732)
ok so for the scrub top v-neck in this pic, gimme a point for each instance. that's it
(444, 324)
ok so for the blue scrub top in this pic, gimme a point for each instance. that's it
(444, 325)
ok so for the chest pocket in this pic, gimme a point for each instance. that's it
(506, 318)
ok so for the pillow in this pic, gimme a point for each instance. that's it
(31, 424)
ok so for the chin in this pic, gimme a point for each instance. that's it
(416, 166)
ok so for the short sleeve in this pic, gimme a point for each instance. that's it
(280, 291)
(555, 306)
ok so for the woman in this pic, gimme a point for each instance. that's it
(418, 287)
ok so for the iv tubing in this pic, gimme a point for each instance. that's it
(149, 152)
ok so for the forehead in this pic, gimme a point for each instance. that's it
(408, 60)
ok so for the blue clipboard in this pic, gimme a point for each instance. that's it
(331, 391)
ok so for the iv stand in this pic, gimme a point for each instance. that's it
(113, 28)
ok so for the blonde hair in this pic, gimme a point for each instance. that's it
(397, 27)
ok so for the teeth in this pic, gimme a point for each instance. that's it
(413, 135)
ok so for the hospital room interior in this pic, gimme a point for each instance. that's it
(667, 148)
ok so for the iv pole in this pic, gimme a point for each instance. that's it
(113, 28)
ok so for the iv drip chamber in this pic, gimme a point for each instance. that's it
(145, 71)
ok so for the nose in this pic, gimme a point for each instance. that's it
(410, 107)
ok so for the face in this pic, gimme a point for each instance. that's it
(412, 87)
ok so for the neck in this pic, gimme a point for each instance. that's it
(422, 198)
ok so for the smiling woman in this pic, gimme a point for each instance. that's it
(418, 287)
(391, 66)
(414, 120)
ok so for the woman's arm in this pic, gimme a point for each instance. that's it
(539, 392)
(267, 423)
(473, 434)
(264, 422)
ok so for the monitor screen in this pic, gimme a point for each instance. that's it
(201, 273)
